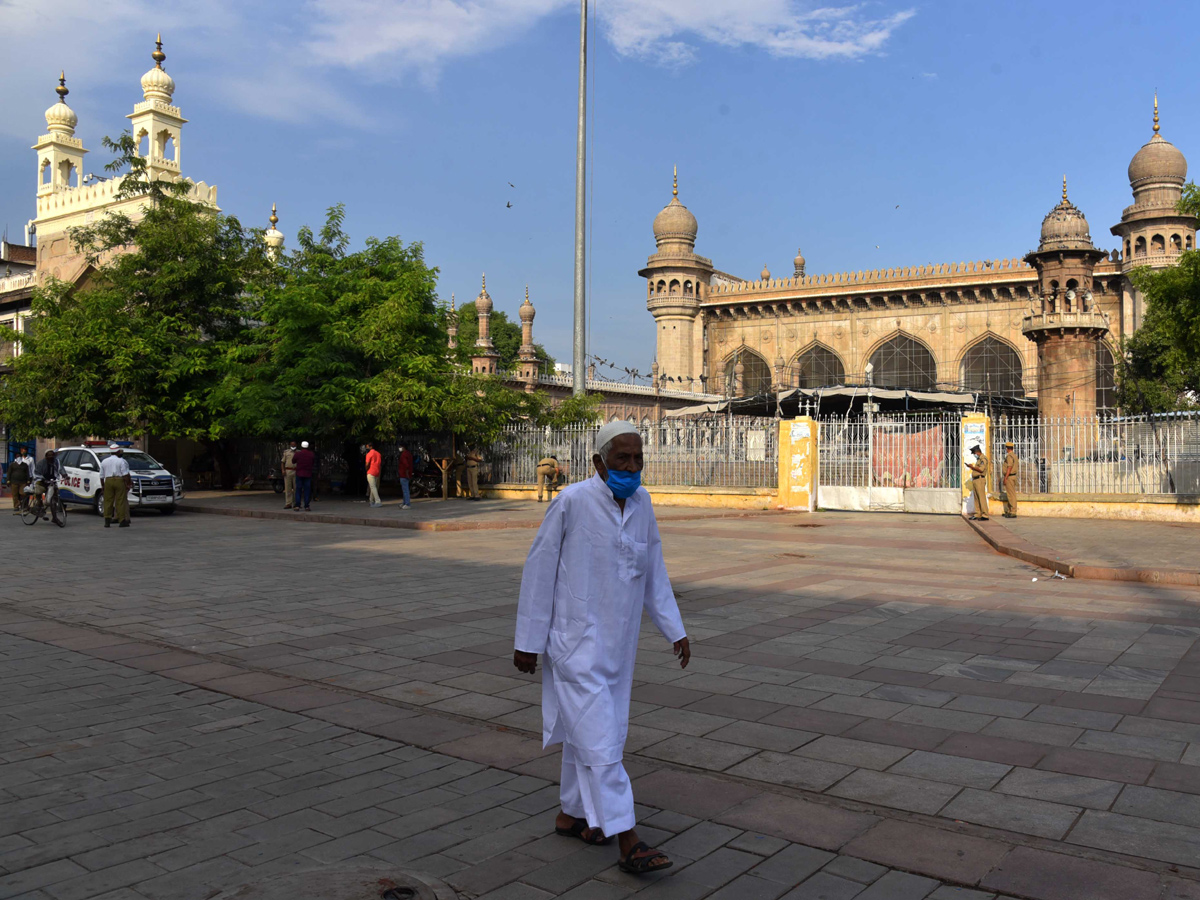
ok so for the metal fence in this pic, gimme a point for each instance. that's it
(1157, 454)
(737, 451)
(913, 450)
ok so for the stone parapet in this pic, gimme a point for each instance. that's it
(1036, 326)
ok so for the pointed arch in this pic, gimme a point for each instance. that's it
(1106, 377)
(993, 365)
(816, 366)
(756, 374)
(902, 361)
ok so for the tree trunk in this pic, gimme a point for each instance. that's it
(220, 455)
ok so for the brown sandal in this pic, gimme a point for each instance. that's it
(653, 861)
(579, 829)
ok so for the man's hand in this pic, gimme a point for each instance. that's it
(525, 662)
(683, 651)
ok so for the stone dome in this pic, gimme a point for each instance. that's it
(157, 84)
(675, 223)
(60, 118)
(273, 236)
(798, 262)
(526, 310)
(1065, 227)
(483, 303)
(765, 274)
(1158, 160)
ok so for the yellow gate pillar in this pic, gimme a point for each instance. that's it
(975, 428)
(798, 464)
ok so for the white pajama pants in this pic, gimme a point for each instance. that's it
(601, 795)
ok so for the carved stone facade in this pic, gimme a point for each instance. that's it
(957, 325)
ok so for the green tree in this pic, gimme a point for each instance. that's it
(506, 336)
(1161, 368)
(140, 349)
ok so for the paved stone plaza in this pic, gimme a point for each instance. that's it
(878, 706)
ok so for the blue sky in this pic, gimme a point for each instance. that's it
(793, 124)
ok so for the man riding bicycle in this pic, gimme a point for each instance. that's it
(45, 480)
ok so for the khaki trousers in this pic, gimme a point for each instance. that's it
(547, 479)
(18, 493)
(373, 488)
(473, 481)
(116, 499)
(979, 492)
(289, 488)
(1010, 495)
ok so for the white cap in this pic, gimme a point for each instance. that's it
(612, 430)
(114, 447)
(304, 443)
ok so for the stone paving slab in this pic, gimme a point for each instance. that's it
(428, 618)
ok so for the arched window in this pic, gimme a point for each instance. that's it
(904, 363)
(1188, 242)
(662, 286)
(1106, 380)
(169, 150)
(674, 286)
(994, 367)
(817, 367)
(1157, 244)
(756, 374)
(687, 289)
(143, 144)
(1139, 247)
(1176, 243)
(47, 172)
(1127, 248)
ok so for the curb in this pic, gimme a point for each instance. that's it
(1004, 541)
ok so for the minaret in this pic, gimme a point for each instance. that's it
(1068, 325)
(677, 282)
(59, 152)
(272, 236)
(1153, 232)
(452, 326)
(156, 122)
(486, 359)
(798, 265)
(527, 353)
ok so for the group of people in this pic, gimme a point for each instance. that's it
(299, 464)
(115, 479)
(981, 469)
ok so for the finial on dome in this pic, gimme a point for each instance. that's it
(675, 181)
(274, 219)
(451, 301)
(526, 293)
(61, 90)
(1065, 200)
(1156, 110)
(485, 282)
(158, 56)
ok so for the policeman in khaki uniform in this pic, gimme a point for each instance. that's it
(1009, 475)
(289, 476)
(473, 459)
(547, 475)
(114, 475)
(979, 477)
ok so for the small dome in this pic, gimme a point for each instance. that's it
(1065, 227)
(526, 310)
(60, 118)
(675, 223)
(799, 260)
(765, 274)
(157, 84)
(1158, 160)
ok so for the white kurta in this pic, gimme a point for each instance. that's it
(590, 571)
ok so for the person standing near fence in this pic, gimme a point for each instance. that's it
(979, 476)
(404, 468)
(20, 472)
(1009, 475)
(288, 464)
(548, 473)
(306, 462)
(473, 459)
(374, 463)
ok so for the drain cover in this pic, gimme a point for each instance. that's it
(344, 884)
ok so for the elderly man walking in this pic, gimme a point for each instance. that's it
(596, 562)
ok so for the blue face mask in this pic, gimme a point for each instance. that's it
(623, 484)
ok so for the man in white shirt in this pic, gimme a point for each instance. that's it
(596, 562)
(114, 475)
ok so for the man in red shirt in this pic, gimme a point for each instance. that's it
(374, 470)
(405, 472)
(305, 462)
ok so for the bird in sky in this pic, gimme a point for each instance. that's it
(897, 206)
(508, 205)
(511, 185)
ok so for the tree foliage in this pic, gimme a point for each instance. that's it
(506, 336)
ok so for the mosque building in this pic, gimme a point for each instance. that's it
(1045, 325)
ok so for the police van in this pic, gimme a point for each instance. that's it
(153, 486)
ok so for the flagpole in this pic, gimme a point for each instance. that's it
(579, 361)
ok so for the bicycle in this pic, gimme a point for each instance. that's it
(37, 506)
